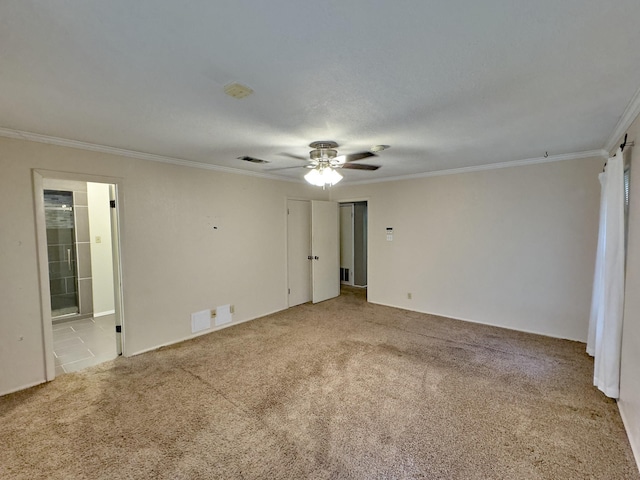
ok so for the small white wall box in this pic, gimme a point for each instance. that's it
(223, 315)
(200, 321)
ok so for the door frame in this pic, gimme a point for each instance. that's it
(356, 200)
(350, 282)
(286, 241)
(38, 177)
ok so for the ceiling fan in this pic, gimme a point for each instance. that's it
(324, 153)
(324, 161)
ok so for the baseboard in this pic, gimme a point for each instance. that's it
(204, 332)
(184, 339)
(535, 332)
(634, 442)
(103, 314)
(23, 387)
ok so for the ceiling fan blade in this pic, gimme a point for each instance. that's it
(360, 166)
(352, 157)
(297, 157)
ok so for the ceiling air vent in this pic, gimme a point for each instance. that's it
(252, 159)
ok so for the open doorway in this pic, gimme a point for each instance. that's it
(353, 244)
(78, 249)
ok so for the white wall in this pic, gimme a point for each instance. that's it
(512, 247)
(174, 263)
(629, 402)
(101, 253)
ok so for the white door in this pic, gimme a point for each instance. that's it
(325, 248)
(347, 268)
(299, 251)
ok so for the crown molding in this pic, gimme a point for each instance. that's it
(491, 166)
(627, 118)
(63, 142)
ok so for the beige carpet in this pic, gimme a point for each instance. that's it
(342, 389)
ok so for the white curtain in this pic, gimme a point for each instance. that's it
(605, 324)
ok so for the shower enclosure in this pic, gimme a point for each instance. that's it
(66, 218)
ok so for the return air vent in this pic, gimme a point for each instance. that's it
(344, 274)
(200, 321)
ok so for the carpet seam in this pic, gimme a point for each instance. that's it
(247, 413)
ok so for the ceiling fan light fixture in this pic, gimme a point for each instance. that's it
(322, 176)
(314, 178)
(331, 176)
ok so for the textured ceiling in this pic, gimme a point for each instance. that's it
(448, 84)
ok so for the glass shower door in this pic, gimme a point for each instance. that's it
(63, 278)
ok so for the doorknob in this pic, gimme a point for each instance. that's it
(316, 258)
(309, 257)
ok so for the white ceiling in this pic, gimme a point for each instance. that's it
(448, 84)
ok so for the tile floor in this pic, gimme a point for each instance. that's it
(83, 343)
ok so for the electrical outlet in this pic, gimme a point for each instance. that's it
(409, 295)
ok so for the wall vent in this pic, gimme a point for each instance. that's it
(344, 274)
(223, 314)
(200, 321)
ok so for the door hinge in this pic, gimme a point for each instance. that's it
(288, 212)
(112, 203)
(289, 291)
(118, 328)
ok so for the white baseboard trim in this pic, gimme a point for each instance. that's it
(199, 334)
(103, 314)
(189, 337)
(23, 387)
(544, 334)
(634, 442)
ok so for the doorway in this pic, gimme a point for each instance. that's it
(347, 254)
(353, 243)
(79, 257)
